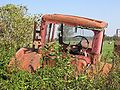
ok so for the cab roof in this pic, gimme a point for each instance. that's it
(82, 22)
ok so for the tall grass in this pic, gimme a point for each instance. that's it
(53, 78)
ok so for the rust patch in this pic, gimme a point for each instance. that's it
(26, 60)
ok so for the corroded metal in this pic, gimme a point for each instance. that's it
(76, 21)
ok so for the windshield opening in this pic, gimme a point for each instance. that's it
(74, 36)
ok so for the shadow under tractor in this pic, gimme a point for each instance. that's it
(66, 29)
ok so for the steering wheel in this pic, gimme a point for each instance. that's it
(83, 43)
(80, 47)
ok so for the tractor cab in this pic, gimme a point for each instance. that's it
(81, 37)
(75, 40)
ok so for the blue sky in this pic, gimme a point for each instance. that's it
(106, 10)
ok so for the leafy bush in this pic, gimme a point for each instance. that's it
(16, 27)
(59, 77)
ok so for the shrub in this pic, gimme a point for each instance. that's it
(16, 27)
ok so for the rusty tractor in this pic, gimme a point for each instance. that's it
(87, 51)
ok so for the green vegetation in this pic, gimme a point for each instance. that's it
(16, 27)
(60, 77)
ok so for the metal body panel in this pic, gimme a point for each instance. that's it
(75, 21)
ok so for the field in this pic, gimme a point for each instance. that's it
(108, 50)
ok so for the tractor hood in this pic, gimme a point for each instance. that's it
(76, 21)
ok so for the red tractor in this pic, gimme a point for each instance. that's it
(68, 30)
